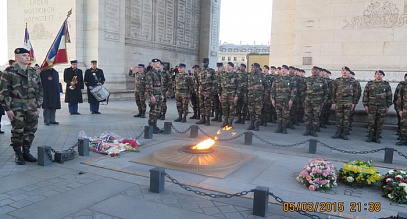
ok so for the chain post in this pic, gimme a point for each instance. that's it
(157, 180)
(388, 155)
(148, 132)
(83, 146)
(248, 138)
(167, 127)
(260, 201)
(194, 131)
(402, 215)
(43, 155)
(312, 146)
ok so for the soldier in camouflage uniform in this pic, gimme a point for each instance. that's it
(294, 108)
(401, 108)
(194, 93)
(315, 91)
(205, 80)
(21, 95)
(255, 95)
(396, 107)
(377, 98)
(140, 81)
(216, 107)
(359, 94)
(166, 82)
(328, 105)
(344, 99)
(273, 74)
(266, 110)
(228, 93)
(183, 84)
(283, 94)
(241, 105)
(155, 94)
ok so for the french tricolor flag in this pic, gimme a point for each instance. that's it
(57, 54)
(27, 44)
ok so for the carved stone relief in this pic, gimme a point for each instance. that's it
(378, 15)
(112, 23)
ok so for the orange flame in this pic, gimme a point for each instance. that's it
(233, 133)
(218, 132)
(204, 144)
(227, 128)
(216, 138)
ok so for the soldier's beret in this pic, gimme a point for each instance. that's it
(273, 67)
(327, 71)
(196, 66)
(156, 60)
(405, 75)
(352, 73)
(20, 51)
(219, 64)
(182, 65)
(205, 60)
(346, 68)
(231, 64)
(74, 62)
(279, 68)
(292, 67)
(381, 72)
(316, 67)
(256, 65)
(141, 66)
(243, 65)
(93, 61)
(266, 66)
(284, 66)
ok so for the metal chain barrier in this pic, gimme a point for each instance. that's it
(391, 217)
(299, 211)
(204, 193)
(142, 132)
(179, 132)
(350, 152)
(401, 154)
(207, 135)
(279, 145)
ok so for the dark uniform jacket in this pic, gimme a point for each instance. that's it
(50, 86)
(92, 77)
(75, 95)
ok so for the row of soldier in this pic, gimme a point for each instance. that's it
(282, 95)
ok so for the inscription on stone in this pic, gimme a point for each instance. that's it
(36, 13)
(215, 27)
(112, 24)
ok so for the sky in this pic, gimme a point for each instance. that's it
(241, 21)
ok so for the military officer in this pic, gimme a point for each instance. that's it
(228, 89)
(377, 98)
(241, 105)
(167, 89)
(194, 93)
(140, 81)
(206, 78)
(183, 84)
(73, 77)
(255, 95)
(21, 96)
(155, 93)
(266, 110)
(93, 77)
(216, 107)
(401, 104)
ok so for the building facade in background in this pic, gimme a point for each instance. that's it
(238, 54)
(120, 33)
(365, 35)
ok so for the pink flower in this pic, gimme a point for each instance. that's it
(323, 182)
(325, 173)
(308, 177)
(311, 187)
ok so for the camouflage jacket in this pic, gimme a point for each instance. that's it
(153, 82)
(206, 77)
(284, 87)
(256, 83)
(242, 83)
(315, 90)
(183, 83)
(377, 93)
(21, 90)
(166, 81)
(330, 87)
(359, 89)
(139, 80)
(228, 83)
(396, 95)
(345, 90)
(401, 94)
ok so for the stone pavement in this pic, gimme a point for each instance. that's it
(98, 186)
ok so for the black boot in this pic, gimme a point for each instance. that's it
(337, 134)
(179, 118)
(143, 114)
(256, 126)
(19, 156)
(265, 122)
(322, 125)
(377, 138)
(402, 141)
(215, 118)
(345, 135)
(284, 128)
(369, 137)
(251, 127)
(230, 123)
(317, 129)
(313, 131)
(202, 121)
(162, 116)
(220, 117)
(307, 131)
(194, 116)
(239, 119)
(156, 130)
(208, 121)
(247, 117)
(198, 115)
(184, 119)
(225, 123)
(243, 121)
(27, 156)
(290, 125)
(139, 114)
(279, 128)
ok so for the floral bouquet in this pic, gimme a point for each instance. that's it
(112, 144)
(359, 173)
(394, 186)
(318, 174)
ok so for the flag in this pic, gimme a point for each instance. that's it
(27, 44)
(57, 54)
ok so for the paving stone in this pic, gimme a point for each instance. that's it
(19, 197)
(50, 193)
(17, 192)
(211, 210)
(169, 201)
(227, 209)
(204, 204)
(5, 202)
(35, 198)
(4, 196)
(234, 215)
(20, 204)
(6, 209)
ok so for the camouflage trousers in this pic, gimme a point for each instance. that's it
(282, 111)
(255, 104)
(140, 101)
(403, 124)
(205, 104)
(24, 126)
(325, 112)
(342, 113)
(312, 112)
(182, 101)
(241, 106)
(300, 110)
(293, 112)
(375, 118)
(164, 105)
(267, 109)
(228, 106)
(155, 109)
(216, 107)
(194, 102)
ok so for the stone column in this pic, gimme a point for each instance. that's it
(209, 31)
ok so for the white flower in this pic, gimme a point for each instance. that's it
(388, 180)
(350, 179)
(390, 196)
(390, 172)
(402, 184)
(405, 189)
(402, 172)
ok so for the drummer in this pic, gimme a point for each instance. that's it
(93, 77)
